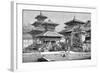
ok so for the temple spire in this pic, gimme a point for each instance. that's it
(40, 13)
(74, 18)
(40, 17)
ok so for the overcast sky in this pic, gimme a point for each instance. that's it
(56, 17)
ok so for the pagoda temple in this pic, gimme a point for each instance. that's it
(75, 33)
(37, 25)
(45, 30)
(41, 23)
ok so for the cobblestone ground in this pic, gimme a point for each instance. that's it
(33, 57)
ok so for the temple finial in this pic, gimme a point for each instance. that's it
(74, 18)
(40, 13)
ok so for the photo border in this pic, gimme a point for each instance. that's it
(16, 59)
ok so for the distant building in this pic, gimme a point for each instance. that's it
(27, 40)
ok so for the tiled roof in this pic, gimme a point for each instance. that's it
(50, 34)
(74, 22)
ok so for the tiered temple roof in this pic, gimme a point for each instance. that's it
(40, 17)
(44, 23)
(44, 28)
(47, 25)
(36, 30)
(49, 34)
(70, 25)
(74, 22)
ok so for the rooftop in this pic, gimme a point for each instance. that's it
(74, 21)
(41, 16)
(36, 30)
(49, 22)
(49, 34)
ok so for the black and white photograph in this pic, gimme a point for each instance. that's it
(49, 36)
(53, 36)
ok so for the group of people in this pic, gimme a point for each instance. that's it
(59, 46)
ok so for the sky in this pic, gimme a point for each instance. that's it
(56, 17)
